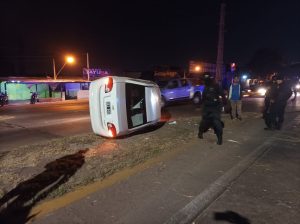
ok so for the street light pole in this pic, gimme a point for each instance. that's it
(54, 70)
(88, 66)
(219, 64)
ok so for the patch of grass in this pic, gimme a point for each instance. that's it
(103, 157)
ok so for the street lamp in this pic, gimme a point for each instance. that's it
(68, 60)
(197, 68)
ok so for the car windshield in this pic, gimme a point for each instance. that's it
(135, 105)
(162, 84)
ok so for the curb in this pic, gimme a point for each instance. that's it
(46, 102)
(189, 213)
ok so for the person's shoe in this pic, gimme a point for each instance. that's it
(239, 117)
(220, 140)
(278, 127)
(200, 135)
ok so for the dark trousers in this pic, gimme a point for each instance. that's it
(211, 120)
(274, 115)
(270, 115)
(279, 116)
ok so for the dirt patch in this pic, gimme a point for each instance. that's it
(59, 166)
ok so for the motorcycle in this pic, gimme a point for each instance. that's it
(3, 99)
(34, 98)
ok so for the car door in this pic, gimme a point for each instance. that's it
(172, 92)
(185, 89)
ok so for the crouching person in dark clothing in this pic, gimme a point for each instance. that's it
(211, 109)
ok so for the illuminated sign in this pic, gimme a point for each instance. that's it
(94, 73)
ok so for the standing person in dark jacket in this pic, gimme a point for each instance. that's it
(284, 92)
(276, 100)
(211, 109)
(269, 112)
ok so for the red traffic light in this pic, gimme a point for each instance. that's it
(233, 66)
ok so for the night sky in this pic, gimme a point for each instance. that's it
(138, 35)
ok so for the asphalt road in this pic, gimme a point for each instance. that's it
(27, 124)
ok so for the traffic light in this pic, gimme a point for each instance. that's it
(232, 67)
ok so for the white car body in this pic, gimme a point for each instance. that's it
(130, 105)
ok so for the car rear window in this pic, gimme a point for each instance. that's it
(135, 105)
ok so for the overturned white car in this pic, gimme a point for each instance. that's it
(121, 105)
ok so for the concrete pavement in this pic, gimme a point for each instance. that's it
(262, 188)
(268, 191)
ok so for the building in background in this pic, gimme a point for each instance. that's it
(167, 72)
(21, 88)
(198, 68)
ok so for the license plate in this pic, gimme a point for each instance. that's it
(108, 108)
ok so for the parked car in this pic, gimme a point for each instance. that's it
(297, 87)
(179, 89)
(121, 105)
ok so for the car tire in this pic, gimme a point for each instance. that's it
(197, 99)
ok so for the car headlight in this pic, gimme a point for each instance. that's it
(262, 91)
(298, 86)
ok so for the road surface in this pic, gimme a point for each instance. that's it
(27, 124)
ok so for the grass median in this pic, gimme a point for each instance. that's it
(59, 166)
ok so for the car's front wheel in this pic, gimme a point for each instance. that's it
(197, 98)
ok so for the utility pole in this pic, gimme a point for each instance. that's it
(88, 66)
(219, 63)
(54, 70)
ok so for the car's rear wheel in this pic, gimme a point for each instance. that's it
(197, 98)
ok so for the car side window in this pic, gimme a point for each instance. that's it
(184, 83)
(135, 105)
(173, 84)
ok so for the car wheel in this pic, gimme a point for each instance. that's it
(197, 99)
(163, 102)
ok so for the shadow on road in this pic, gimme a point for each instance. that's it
(231, 217)
(2, 154)
(16, 205)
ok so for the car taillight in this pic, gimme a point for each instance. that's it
(111, 130)
(108, 84)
